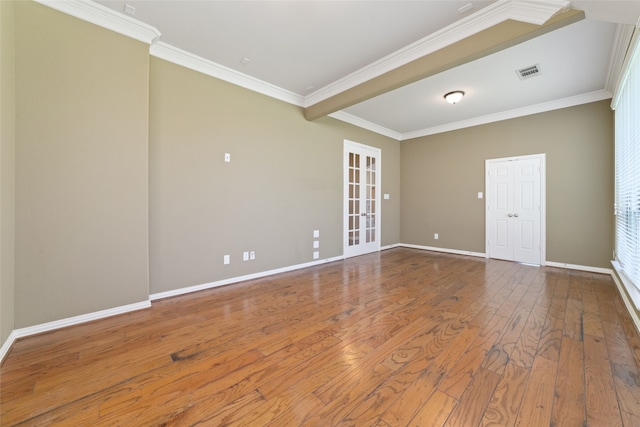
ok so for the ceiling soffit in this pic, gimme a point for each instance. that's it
(492, 39)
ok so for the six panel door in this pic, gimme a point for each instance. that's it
(514, 214)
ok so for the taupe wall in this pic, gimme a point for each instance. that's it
(442, 174)
(81, 167)
(284, 180)
(7, 169)
(116, 151)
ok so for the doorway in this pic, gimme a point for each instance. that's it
(361, 199)
(515, 209)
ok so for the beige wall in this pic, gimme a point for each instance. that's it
(284, 180)
(442, 174)
(7, 169)
(121, 189)
(81, 167)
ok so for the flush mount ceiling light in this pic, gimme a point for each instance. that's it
(454, 97)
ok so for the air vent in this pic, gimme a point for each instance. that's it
(528, 72)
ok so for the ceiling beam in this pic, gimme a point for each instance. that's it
(498, 37)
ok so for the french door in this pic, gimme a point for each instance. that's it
(515, 204)
(361, 199)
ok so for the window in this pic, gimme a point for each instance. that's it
(627, 174)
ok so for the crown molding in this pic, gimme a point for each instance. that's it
(598, 95)
(106, 18)
(619, 50)
(631, 50)
(189, 60)
(536, 11)
(530, 11)
(364, 124)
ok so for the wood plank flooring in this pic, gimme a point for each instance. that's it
(398, 338)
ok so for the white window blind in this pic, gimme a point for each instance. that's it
(627, 171)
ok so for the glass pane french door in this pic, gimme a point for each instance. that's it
(362, 204)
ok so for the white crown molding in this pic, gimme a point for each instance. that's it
(189, 60)
(104, 17)
(619, 49)
(534, 11)
(624, 69)
(364, 124)
(598, 95)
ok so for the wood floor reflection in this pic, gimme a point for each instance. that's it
(398, 338)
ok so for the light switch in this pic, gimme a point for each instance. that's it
(316, 244)
(386, 196)
(227, 157)
(479, 194)
(316, 233)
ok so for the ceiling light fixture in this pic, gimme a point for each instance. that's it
(454, 97)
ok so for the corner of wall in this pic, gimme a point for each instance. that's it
(7, 174)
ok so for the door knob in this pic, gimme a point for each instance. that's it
(510, 215)
(516, 215)
(363, 214)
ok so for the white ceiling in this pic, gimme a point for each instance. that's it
(304, 47)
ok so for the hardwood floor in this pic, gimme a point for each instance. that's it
(399, 338)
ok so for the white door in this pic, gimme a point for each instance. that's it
(361, 199)
(515, 209)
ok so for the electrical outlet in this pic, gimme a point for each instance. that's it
(435, 236)
(252, 255)
(316, 234)
(227, 157)
(245, 256)
(316, 244)
(227, 259)
(316, 255)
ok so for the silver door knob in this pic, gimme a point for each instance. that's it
(516, 215)
(510, 215)
(363, 214)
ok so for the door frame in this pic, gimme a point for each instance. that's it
(543, 201)
(345, 195)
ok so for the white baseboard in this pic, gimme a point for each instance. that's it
(579, 267)
(445, 250)
(384, 248)
(628, 303)
(7, 345)
(69, 321)
(195, 288)
(49, 326)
